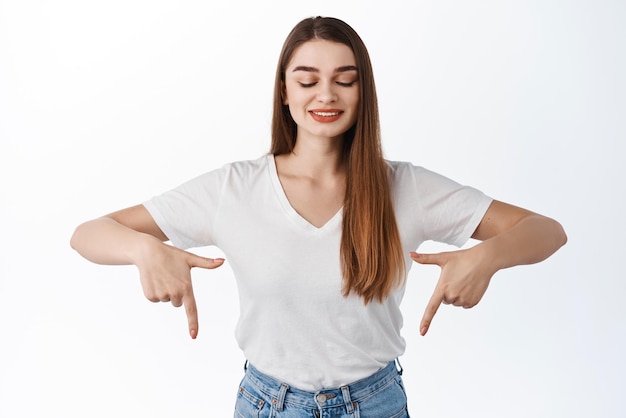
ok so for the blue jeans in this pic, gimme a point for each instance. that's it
(381, 395)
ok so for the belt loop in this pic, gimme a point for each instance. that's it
(245, 366)
(399, 366)
(280, 400)
(345, 390)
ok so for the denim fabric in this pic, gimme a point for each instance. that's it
(381, 395)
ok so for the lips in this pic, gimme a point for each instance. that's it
(325, 115)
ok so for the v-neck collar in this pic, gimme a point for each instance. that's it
(291, 213)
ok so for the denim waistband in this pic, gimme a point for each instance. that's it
(281, 393)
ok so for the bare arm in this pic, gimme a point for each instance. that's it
(130, 236)
(117, 238)
(510, 236)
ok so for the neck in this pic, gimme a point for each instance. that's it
(318, 156)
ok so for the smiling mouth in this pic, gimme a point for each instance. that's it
(326, 116)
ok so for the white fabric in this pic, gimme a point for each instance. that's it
(295, 325)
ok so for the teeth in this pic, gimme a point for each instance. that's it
(326, 113)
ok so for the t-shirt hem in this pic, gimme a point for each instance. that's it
(474, 221)
(161, 222)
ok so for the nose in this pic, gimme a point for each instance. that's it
(326, 92)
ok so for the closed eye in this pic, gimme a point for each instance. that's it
(339, 83)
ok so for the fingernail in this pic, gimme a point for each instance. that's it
(415, 255)
(218, 260)
(423, 331)
(193, 334)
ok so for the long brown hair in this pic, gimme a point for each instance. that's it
(372, 260)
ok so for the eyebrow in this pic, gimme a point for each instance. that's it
(315, 70)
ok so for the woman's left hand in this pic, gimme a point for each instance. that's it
(509, 236)
(464, 278)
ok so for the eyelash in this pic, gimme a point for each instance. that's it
(307, 85)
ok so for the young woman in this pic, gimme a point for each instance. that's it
(320, 234)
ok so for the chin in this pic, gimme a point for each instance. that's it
(330, 133)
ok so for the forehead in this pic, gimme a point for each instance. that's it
(322, 54)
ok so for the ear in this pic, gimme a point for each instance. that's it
(283, 93)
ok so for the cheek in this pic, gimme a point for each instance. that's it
(295, 112)
(352, 97)
(355, 97)
(355, 109)
(297, 99)
(354, 103)
(290, 96)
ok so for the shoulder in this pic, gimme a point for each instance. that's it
(234, 173)
(408, 176)
(244, 167)
(406, 171)
(237, 170)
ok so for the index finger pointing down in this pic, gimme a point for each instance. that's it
(192, 314)
(431, 309)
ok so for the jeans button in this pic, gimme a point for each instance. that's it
(321, 398)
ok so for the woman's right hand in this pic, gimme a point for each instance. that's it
(165, 273)
(131, 236)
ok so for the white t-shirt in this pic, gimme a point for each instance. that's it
(294, 323)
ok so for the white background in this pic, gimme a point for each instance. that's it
(105, 104)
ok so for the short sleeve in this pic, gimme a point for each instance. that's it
(445, 210)
(186, 213)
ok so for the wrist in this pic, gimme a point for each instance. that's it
(488, 254)
(142, 248)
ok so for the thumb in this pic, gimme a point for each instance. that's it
(437, 259)
(205, 263)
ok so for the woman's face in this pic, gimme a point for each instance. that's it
(321, 89)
